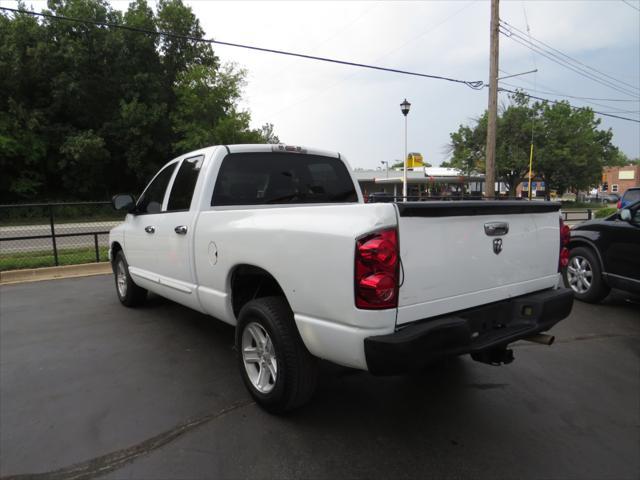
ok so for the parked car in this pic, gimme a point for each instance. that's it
(630, 196)
(610, 197)
(605, 254)
(277, 241)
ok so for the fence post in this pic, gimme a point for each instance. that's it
(95, 242)
(53, 236)
(589, 214)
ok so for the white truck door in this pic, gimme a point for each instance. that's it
(142, 229)
(173, 239)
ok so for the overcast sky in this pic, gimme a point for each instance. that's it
(356, 111)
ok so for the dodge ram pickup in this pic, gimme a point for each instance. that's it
(277, 241)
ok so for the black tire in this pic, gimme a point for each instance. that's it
(129, 294)
(597, 289)
(296, 369)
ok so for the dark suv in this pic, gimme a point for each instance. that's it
(630, 196)
(605, 254)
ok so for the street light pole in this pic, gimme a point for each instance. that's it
(386, 163)
(404, 107)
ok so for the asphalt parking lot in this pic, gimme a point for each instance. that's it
(89, 388)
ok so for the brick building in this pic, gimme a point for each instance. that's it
(620, 179)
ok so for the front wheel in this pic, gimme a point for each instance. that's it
(129, 294)
(584, 276)
(275, 365)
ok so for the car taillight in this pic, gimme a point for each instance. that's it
(377, 270)
(619, 205)
(565, 236)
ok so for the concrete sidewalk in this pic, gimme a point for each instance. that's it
(51, 273)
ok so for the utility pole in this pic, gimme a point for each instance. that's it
(490, 166)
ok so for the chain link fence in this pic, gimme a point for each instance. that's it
(50, 234)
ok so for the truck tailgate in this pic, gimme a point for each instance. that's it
(455, 256)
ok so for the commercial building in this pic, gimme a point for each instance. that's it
(620, 179)
(421, 182)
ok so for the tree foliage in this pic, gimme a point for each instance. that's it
(569, 148)
(87, 111)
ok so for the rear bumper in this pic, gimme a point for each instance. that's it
(479, 329)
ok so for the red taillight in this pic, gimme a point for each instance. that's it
(565, 236)
(619, 205)
(565, 233)
(564, 257)
(376, 270)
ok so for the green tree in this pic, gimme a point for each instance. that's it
(87, 110)
(569, 149)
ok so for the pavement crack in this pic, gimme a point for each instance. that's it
(115, 460)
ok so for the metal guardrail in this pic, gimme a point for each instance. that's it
(51, 234)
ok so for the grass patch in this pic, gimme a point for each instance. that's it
(605, 212)
(44, 258)
(40, 220)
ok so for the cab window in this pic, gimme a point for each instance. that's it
(184, 184)
(151, 199)
(274, 178)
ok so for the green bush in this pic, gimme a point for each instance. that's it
(605, 212)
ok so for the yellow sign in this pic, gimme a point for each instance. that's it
(414, 160)
(626, 175)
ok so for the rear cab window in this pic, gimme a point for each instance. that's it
(277, 178)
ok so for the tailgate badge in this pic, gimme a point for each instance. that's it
(497, 245)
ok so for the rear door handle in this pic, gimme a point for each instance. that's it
(150, 229)
(180, 229)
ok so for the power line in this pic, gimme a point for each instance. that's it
(554, 58)
(522, 92)
(377, 59)
(476, 85)
(558, 94)
(632, 6)
(555, 92)
(568, 57)
(570, 67)
(563, 57)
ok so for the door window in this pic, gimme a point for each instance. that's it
(184, 184)
(151, 199)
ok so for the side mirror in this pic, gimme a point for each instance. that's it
(124, 202)
(625, 214)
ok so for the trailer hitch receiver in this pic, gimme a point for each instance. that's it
(494, 356)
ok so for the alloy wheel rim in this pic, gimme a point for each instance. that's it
(259, 357)
(121, 279)
(579, 274)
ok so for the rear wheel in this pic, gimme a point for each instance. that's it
(584, 276)
(129, 294)
(275, 365)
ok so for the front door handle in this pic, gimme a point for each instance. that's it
(150, 229)
(180, 229)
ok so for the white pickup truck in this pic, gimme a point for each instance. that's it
(277, 241)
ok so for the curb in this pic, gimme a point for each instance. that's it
(52, 273)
